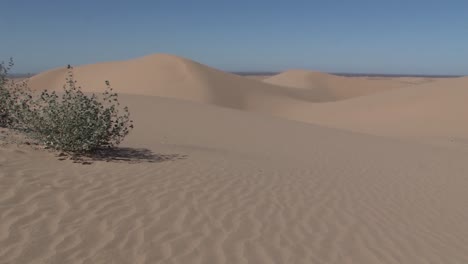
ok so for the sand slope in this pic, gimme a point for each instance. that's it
(277, 192)
(435, 112)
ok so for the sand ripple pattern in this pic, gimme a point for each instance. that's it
(217, 209)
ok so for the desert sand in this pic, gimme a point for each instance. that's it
(301, 167)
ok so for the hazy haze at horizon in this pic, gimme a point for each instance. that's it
(421, 37)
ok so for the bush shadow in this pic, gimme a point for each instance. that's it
(125, 155)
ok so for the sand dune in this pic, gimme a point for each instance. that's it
(435, 112)
(175, 77)
(427, 109)
(334, 88)
(171, 76)
(380, 177)
(258, 77)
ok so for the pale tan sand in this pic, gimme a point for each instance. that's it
(334, 88)
(252, 189)
(229, 186)
(434, 112)
(258, 77)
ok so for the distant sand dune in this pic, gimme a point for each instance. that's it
(330, 87)
(434, 112)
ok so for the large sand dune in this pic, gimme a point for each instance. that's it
(171, 76)
(364, 177)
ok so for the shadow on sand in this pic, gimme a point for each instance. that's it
(123, 155)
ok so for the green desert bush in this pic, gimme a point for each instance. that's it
(4, 94)
(70, 121)
(79, 123)
(15, 98)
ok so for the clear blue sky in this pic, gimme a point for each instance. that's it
(393, 36)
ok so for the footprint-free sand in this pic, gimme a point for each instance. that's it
(301, 167)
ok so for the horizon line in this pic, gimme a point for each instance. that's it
(345, 74)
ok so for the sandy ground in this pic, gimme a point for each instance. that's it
(258, 77)
(219, 170)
